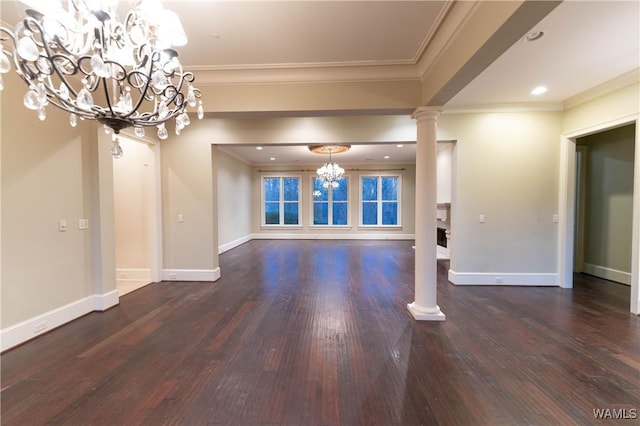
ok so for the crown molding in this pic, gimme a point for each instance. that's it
(619, 82)
(509, 107)
(303, 74)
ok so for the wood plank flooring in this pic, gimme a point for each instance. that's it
(318, 333)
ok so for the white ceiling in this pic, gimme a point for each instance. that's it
(586, 43)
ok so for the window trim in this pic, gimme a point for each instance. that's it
(281, 202)
(379, 200)
(330, 203)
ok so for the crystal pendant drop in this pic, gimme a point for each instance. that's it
(107, 129)
(139, 131)
(178, 130)
(27, 49)
(42, 114)
(63, 91)
(99, 68)
(191, 97)
(84, 100)
(73, 120)
(128, 103)
(185, 119)
(116, 149)
(5, 65)
(162, 110)
(162, 131)
(200, 111)
(31, 100)
(44, 66)
(42, 94)
(158, 80)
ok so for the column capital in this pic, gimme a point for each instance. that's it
(425, 113)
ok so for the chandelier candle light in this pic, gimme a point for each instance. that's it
(330, 173)
(73, 56)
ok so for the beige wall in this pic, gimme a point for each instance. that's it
(48, 175)
(608, 107)
(506, 168)
(188, 190)
(235, 203)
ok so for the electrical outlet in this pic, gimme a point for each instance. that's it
(172, 276)
(83, 224)
(499, 280)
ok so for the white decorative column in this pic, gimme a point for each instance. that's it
(425, 305)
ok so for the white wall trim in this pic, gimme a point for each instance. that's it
(502, 278)
(309, 236)
(608, 273)
(26, 330)
(133, 274)
(233, 244)
(191, 274)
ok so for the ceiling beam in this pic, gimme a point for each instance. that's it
(473, 36)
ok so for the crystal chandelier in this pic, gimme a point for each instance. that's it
(84, 60)
(330, 173)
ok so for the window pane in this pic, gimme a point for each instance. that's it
(321, 213)
(389, 213)
(340, 213)
(320, 193)
(369, 213)
(341, 193)
(272, 189)
(291, 189)
(389, 188)
(271, 213)
(290, 213)
(369, 188)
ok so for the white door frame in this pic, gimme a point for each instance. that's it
(567, 206)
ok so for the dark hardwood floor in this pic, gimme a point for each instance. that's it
(318, 333)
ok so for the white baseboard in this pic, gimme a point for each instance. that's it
(607, 273)
(373, 236)
(133, 274)
(442, 252)
(40, 324)
(498, 278)
(191, 274)
(234, 244)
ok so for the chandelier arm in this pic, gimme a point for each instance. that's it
(107, 97)
(61, 75)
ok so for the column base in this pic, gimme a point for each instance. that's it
(425, 314)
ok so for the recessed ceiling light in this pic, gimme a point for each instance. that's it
(272, 158)
(399, 145)
(386, 157)
(259, 148)
(539, 90)
(534, 35)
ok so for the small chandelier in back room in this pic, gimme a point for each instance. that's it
(330, 173)
(83, 59)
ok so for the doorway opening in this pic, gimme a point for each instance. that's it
(568, 242)
(136, 216)
(604, 204)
